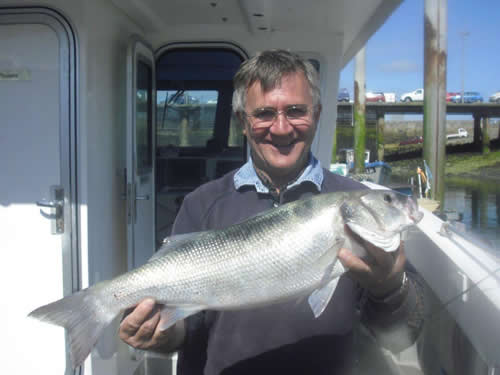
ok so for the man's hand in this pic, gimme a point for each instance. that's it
(380, 272)
(140, 329)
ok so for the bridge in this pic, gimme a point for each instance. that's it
(475, 109)
(481, 113)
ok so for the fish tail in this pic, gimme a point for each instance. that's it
(83, 315)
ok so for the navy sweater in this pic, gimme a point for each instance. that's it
(283, 338)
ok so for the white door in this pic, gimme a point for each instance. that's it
(140, 152)
(37, 245)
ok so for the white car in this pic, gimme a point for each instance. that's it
(414, 96)
(462, 133)
(390, 97)
(495, 98)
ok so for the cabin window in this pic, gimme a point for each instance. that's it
(187, 118)
(197, 137)
(144, 118)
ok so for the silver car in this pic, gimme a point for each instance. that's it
(495, 98)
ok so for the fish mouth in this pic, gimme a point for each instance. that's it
(413, 210)
(416, 216)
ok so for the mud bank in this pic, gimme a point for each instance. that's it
(466, 165)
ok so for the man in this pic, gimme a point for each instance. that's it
(277, 98)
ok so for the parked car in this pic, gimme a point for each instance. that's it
(390, 97)
(451, 95)
(495, 98)
(461, 133)
(456, 98)
(413, 96)
(469, 97)
(343, 96)
(412, 141)
(371, 96)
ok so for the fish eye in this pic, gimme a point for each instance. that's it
(387, 198)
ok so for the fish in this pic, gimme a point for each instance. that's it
(285, 253)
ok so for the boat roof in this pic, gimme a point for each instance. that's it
(354, 20)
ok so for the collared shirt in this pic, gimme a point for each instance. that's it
(247, 176)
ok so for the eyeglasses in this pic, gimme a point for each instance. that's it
(264, 117)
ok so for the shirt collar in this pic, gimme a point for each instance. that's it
(246, 176)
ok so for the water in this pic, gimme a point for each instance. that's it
(478, 201)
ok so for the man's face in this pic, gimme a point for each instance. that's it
(281, 146)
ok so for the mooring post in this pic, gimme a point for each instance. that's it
(435, 56)
(359, 112)
(486, 136)
(334, 147)
(380, 135)
(477, 132)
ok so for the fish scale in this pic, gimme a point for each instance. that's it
(285, 253)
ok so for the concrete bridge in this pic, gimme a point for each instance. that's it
(375, 112)
(475, 109)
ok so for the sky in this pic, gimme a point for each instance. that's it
(395, 53)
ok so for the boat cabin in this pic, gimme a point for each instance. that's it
(112, 111)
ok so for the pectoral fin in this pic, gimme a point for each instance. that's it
(318, 300)
(171, 315)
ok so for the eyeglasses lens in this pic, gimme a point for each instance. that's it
(296, 112)
(265, 116)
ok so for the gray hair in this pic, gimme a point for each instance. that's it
(268, 68)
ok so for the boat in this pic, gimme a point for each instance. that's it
(378, 172)
(113, 110)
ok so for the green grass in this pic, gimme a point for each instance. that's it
(458, 164)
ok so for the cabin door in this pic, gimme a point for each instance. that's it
(37, 214)
(140, 152)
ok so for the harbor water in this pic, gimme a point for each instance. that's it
(477, 202)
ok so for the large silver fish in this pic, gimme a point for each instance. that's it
(284, 253)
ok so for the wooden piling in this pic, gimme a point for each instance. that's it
(359, 112)
(380, 135)
(435, 58)
(477, 140)
(486, 136)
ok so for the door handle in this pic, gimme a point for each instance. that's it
(142, 197)
(57, 205)
(49, 204)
